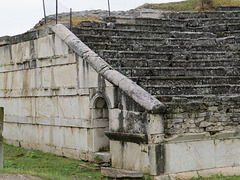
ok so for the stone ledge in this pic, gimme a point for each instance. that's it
(127, 137)
(202, 137)
(226, 171)
(4, 40)
(120, 173)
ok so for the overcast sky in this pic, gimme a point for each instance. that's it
(18, 16)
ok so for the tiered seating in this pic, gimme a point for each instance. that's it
(179, 54)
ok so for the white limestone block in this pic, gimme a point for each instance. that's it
(17, 80)
(46, 77)
(84, 107)
(46, 106)
(61, 47)
(116, 150)
(2, 80)
(100, 140)
(227, 152)
(21, 52)
(45, 46)
(155, 124)
(189, 156)
(5, 55)
(88, 77)
(69, 107)
(135, 158)
(65, 76)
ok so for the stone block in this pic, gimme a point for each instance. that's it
(2, 80)
(74, 138)
(46, 77)
(100, 140)
(68, 107)
(135, 157)
(84, 107)
(88, 77)
(45, 46)
(18, 78)
(120, 173)
(46, 106)
(189, 156)
(61, 47)
(227, 152)
(21, 52)
(65, 76)
(155, 124)
(117, 153)
(5, 55)
(102, 157)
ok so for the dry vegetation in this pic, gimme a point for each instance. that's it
(191, 5)
(77, 20)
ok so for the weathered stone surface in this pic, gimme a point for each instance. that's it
(1, 137)
(189, 61)
(226, 171)
(120, 173)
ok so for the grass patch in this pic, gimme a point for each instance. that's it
(46, 165)
(191, 5)
(52, 167)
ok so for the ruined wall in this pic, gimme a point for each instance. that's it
(47, 93)
(210, 114)
(56, 102)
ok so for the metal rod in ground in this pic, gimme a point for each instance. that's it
(203, 5)
(44, 11)
(109, 12)
(70, 19)
(56, 11)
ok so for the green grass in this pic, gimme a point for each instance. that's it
(190, 5)
(46, 165)
(217, 177)
(52, 167)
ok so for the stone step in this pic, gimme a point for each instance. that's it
(235, 33)
(197, 15)
(185, 80)
(136, 62)
(120, 173)
(204, 28)
(106, 54)
(192, 71)
(228, 8)
(229, 40)
(102, 157)
(190, 22)
(118, 32)
(220, 89)
(120, 39)
(140, 33)
(166, 47)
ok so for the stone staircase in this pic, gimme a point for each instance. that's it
(180, 54)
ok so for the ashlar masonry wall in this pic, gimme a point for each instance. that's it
(55, 100)
(47, 93)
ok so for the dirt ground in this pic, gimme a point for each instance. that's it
(15, 176)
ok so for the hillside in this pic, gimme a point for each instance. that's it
(190, 5)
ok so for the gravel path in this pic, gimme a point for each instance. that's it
(15, 176)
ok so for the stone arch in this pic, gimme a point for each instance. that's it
(100, 121)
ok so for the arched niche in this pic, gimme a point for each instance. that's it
(100, 122)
